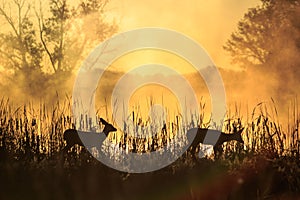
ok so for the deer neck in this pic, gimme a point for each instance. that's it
(225, 138)
(106, 134)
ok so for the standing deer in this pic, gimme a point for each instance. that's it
(88, 139)
(214, 137)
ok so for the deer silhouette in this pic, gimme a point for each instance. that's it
(87, 139)
(211, 137)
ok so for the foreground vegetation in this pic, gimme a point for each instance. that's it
(33, 167)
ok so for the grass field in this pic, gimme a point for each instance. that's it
(33, 167)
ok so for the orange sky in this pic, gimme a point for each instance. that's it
(210, 23)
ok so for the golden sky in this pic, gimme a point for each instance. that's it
(210, 23)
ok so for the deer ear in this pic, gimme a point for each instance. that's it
(103, 121)
(240, 131)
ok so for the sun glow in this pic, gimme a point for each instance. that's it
(174, 68)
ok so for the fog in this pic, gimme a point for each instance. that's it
(210, 24)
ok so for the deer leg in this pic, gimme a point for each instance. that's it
(218, 150)
(194, 153)
(64, 149)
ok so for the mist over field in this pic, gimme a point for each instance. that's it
(253, 153)
(38, 64)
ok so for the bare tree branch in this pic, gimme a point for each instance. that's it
(9, 20)
(40, 19)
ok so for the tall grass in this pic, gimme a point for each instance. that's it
(31, 142)
(33, 131)
(30, 130)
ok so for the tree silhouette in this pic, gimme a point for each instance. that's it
(69, 34)
(40, 45)
(264, 32)
(267, 43)
(85, 21)
(53, 32)
(20, 52)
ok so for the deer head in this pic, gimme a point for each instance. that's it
(107, 127)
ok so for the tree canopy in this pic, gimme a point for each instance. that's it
(266, 44)
(42, 43)
(266, 33)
